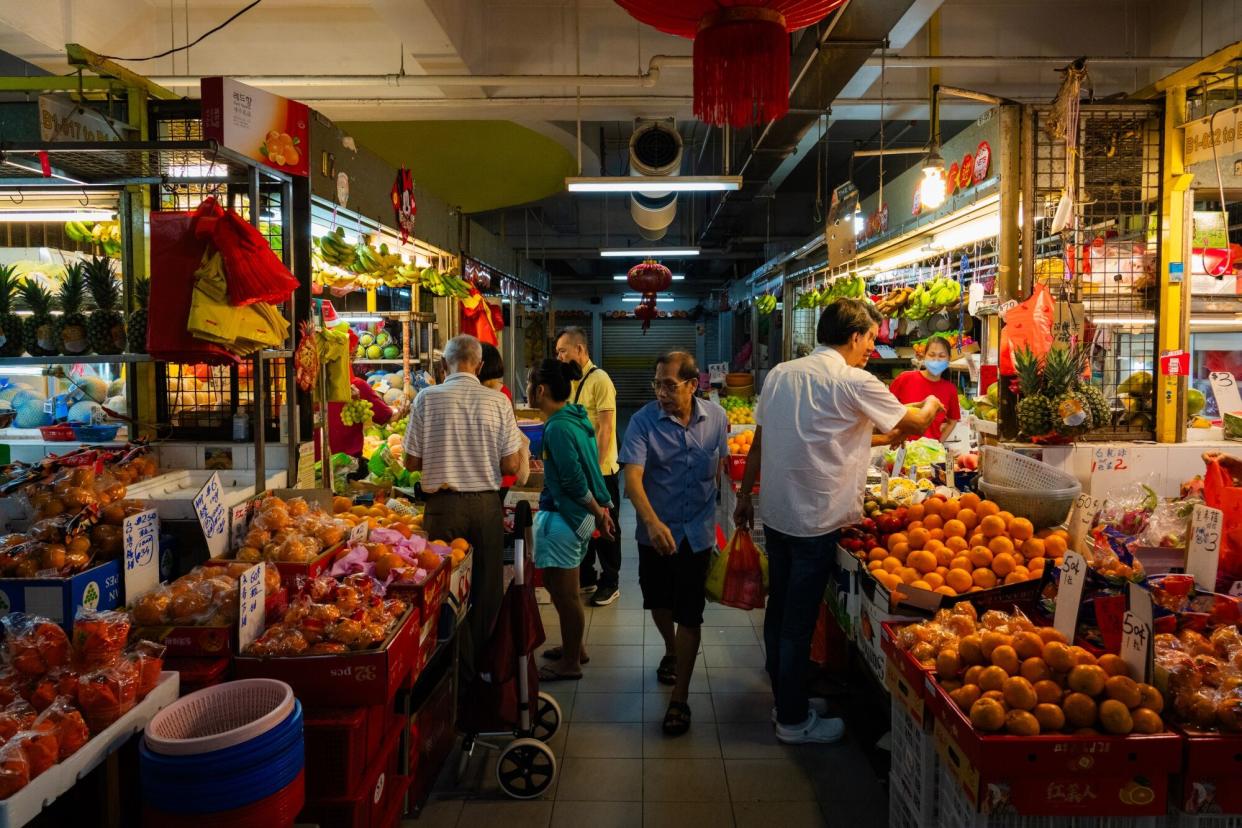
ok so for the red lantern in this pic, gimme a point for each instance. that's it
(646, 310)
(649, 277)
(741, 51)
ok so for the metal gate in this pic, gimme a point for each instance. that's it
(629, 355)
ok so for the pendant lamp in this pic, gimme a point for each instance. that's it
(741, 51)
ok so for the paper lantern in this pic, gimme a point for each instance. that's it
(649, 277)
(741, 51)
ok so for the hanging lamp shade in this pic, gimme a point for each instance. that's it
(741, 51)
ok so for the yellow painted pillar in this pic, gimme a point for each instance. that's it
(1173, 327)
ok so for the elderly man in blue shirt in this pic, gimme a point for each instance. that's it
(672, 455)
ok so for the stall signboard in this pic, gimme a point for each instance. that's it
(1214, 137)
(63, 119)
(259, 125)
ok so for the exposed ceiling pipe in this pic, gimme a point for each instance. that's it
(611, 100)
(646, 79)
(989, 61)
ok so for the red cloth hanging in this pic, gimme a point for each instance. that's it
(477, 319)
(253, 271)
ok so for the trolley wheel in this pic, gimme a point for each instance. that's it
(526, 768)
(548, 717)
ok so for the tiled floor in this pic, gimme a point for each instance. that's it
(616, 767)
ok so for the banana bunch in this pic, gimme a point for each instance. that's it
(390, 268)
(443, 284)
(335, 250)
(893, 303)
(933, 296)
(846, 287)
(356, 411)
(103, 234)
(765, 304)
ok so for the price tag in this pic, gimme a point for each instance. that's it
(141, 536)
(1225, 389)
(1135, 640)
(1111, 459)
(1141, 612)
(1203, 556)
(212, 517)
(1007, 306)
(716, 372)
(239, 524)
(884, 485)
(359, 533)
(251, 606)
(899, 462)
(1085, 509)
(1069, 594)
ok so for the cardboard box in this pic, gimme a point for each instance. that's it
(97, 588)
(1211, 779)
(872, 617)
(426, 597)
(459, 584)
(197, 641)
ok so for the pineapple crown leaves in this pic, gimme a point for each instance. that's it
(9, 286)
(103, 283)
(73, 289)
(35, 297)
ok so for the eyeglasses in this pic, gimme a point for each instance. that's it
(667, 385)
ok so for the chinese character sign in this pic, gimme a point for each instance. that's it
(212, 516)
(251, 606)
(141, 539)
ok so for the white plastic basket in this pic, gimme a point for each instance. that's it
(1042, 507)
(221, 716)
(1009, 468)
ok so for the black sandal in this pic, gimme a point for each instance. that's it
(554, 654)
(666, 673)
(677, 718)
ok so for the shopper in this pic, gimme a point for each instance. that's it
(463, 438)
(596, 393)
(574, 502)
(815, 419)
(347, 439)
(492, 375)
(672, 453)
(915, 386)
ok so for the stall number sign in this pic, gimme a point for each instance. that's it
(1069, 594)
(212, 517)
(252, 607)
(141, 536)
(1115, 459)
(1203, 556)
(1225, 389)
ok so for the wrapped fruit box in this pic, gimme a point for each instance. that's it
(293, 529)
(1054, 774)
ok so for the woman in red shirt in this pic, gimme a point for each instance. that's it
(916, 386)
(347, 439)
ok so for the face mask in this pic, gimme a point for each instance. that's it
(936, 367)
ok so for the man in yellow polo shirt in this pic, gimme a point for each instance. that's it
(596, 393)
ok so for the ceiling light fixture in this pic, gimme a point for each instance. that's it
(635, 299)
(647, 252)
(932, 189)
(15, 216)
(653, 184)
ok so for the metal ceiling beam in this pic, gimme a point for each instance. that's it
(893, 61)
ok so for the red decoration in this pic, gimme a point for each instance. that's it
(404, 204)
(741, 51)
(649, 277)
(646, 310)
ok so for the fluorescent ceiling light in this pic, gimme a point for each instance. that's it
(647, 252)
(1119, 321)
(636, 299)
(654, 184)
(621, 277)
(344, 316)
(14, 216)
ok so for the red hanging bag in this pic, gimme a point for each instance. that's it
(743, 584)
(253, 271)
(1221, 492)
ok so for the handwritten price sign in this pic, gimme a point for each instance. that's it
(141, 537)
(1225, 389)
(1085, 509)
(212, 517)
(239, 523)
(1203, 556)
(1069, 594)
(251, 606)
(1135, 640)
(1116, 459)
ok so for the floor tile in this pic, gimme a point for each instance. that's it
(742, 707)
(619, 636)
(684, 780)
(737, 655)
(614, 655)
(726, 617)
(437, 813)
(698, 681)
(508, 812)
(687, 815)
(611, 680)
(752, 740)
(612, 617)
(700, 742)
(600, 780)
(654, 705)
(870, 813)
(567, 814)
(720, 636)
(738, 679)
(600, 741)
(768, 780)
(564, 693)
(607, 707)
(784, 814)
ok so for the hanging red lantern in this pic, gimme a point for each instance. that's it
(646, 310)
(649, 277)
(741, 51)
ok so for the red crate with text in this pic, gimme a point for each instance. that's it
(377, 802)
(1211, 781)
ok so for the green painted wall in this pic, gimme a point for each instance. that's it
(478, 165)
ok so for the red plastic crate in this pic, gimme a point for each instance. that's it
(427, 596)
(380, 794)
(197, 673)
(1211, 781)
(204, 641)
(427, 643)
(382, 722)
(336, 749)
(432, 734)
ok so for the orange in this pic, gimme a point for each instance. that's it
(992, 678)
(987, 715)
(1019, 693)
(1058, 656)
(956, 544)
(961, 562)
(985, 508)
(965, 696)
(1115, 717)
(942, 570)
(922, 561)
(874, 565)
(948, 665)
(918, 524)
(1084, 657)
(992, 526)
(1114, 665)
(917, 538)
(1016, 577)
(341, 504)
(992, 639)
(1125, 690)
(969, 518)
(877, 554)
(1021, 529)
(915, 512)
(969, 500)
(970, 651)
(944, 557)
(1035, 670)
(1051, 634)
(891, 564)
(981, 556)
(931, 507)
(908, 575)
(937, 535)
(934, 545)
(1054, 546)
(896, 538)
(1002, 564)
(933, 522)
(900, 551)
(1005, 658)
(1028, 645)
(946, 590)
(1048, 691)
(1151, 698)
(933, 580)
(1146, 721)
(1050, 717)
(1005, 516)
(1033, 548)
(1000, 544)
(984, 578)
(1034, 564)
(921, 584)
(387, 563)
(1079, 710)
(1087, 678)
(959, 579)
(950, 509)
(889, 580)
(460, 543)
(1021, 723)
(1062, 534)
(955, 529)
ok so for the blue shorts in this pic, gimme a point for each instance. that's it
(556, 545)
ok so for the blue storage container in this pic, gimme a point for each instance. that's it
(534, 433)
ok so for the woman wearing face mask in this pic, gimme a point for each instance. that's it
(916, 386)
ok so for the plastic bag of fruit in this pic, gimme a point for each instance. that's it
(108, 694)
(148, 659)
(14, 769)
(65, 722)
(17, 715)
(99, 637)
(35, 644)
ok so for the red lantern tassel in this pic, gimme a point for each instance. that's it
(741, 67)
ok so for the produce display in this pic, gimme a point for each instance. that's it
(342, 267)
(1204, 676)
(916, 303)
(740, 411)
(356, 411)
(1010, 675)
(290, 531)
(741, 443)
(398, 515)
(104, 235)
(1055, 400)
(206, 596)
(846, 287)
(331, 617)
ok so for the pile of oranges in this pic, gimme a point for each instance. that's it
(953, 546)
(740, 444)
(377, 516)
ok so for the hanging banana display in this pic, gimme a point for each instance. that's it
(343, 266)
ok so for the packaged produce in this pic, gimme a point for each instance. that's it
(290, 531)
(204, 596)
(65, 722)
(16, 716)
(332, 617)
(35, 645)
(388, 555)
(14, 769)
(99, 637)
(1204, 676)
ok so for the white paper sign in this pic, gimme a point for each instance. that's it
(141, 536)
(1225, 389)
(359, 533)
(1069, 594)
(252, 606)
(1203, 555)
(1135, 640)
(1085, 509)
(239, 524)
(212, 517)
(716, 372)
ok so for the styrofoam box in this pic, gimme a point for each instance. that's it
(25, 805)
(172, 494)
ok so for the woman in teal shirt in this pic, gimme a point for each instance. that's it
(574, 502)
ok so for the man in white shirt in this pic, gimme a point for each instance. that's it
(815, 420)
(462, 436)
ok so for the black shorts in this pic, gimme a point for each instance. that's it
(674, 582)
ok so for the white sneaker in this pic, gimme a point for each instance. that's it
(816, 705)
(813, 731)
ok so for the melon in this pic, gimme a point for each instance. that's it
(117, 404)
(86, 411)
(1194, 401)
(30, 413)
(7, 394)
(117, 386)
(93, 388)
(383, 339)
(374, 352)
(391, 352)
(396, 380)
(366, 340)
(392, 395)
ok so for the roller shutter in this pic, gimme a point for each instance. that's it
(629, 355)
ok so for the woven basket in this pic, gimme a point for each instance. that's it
(220, 716)
(1042, 507)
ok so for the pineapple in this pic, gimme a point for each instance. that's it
(1071, 413)
(138, 319)
(1101, 413)
(10, 322)
(39, 329)
(71, 335)
(1034, 409)
(107, 324)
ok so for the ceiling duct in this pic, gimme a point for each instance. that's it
(655, 151)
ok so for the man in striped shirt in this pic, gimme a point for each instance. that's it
(463, 437)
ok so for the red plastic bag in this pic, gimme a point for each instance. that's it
(1027, 325)
(175, 254)
(252, 270)
(743, 584)
(1220, 492)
